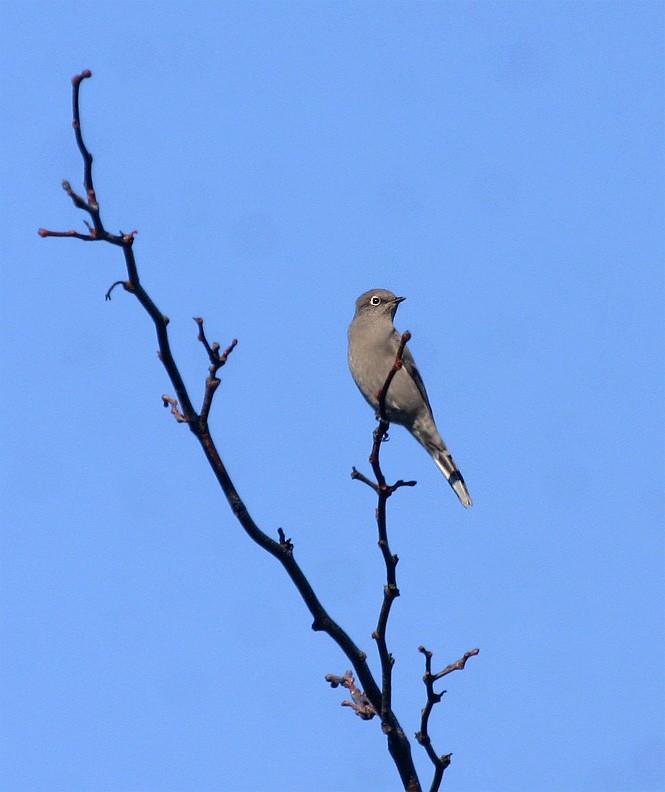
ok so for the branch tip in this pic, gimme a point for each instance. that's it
(169, 401)
(287, 544)
(77, 78)
(458, 665)
(360, 704)
(440, 762)
(124, 284)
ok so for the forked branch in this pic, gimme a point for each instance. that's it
(440, 762)
(184, 411)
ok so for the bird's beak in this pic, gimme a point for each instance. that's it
(398, 300)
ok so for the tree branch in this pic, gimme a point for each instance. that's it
(216, 361)
(360, 704)
(384, 491)
(183, 409)
(440, 762)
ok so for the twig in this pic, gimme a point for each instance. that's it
(458, 665)
(355, 474)
(43, 232)
(169, 401)
(93, 206)
(359, 703)
(440, 762)
(216, 362)
(125, 284)
(287, 544)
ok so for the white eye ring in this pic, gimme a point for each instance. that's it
(375, 300)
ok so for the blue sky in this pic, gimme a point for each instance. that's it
(500, 164)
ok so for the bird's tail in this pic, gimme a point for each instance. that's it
(447, 466)
(425, 431)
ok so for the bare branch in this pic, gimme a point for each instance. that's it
(43, 232)
(458, 665)
(184, 412)
(92, 207)
(287, 544)
(440, 762)
(169, 401)
(216, 361)
(384, 491)
(360, 704)
(397, 365)
(355, 474)
(125, 284)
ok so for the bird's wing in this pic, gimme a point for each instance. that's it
(412, 370)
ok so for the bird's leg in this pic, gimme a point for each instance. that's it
(384, 437)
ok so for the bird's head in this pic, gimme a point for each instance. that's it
(377, 303)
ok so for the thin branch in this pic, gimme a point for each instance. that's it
(381, 431)
(169, 401)
(213, 351)
(43, 232)
(92, 206)
(440, 762)
(287, 544)
(359, 703)
(357, 475)
(384, 491)
(125, 284)
(216, 361)
(183, 409)
(458, 665)
(397, 365)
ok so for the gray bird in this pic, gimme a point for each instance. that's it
(373, 343)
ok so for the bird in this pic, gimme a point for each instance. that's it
(373, 344)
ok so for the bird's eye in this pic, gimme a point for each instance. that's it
(375, 300)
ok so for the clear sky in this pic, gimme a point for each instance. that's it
(500, 164)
